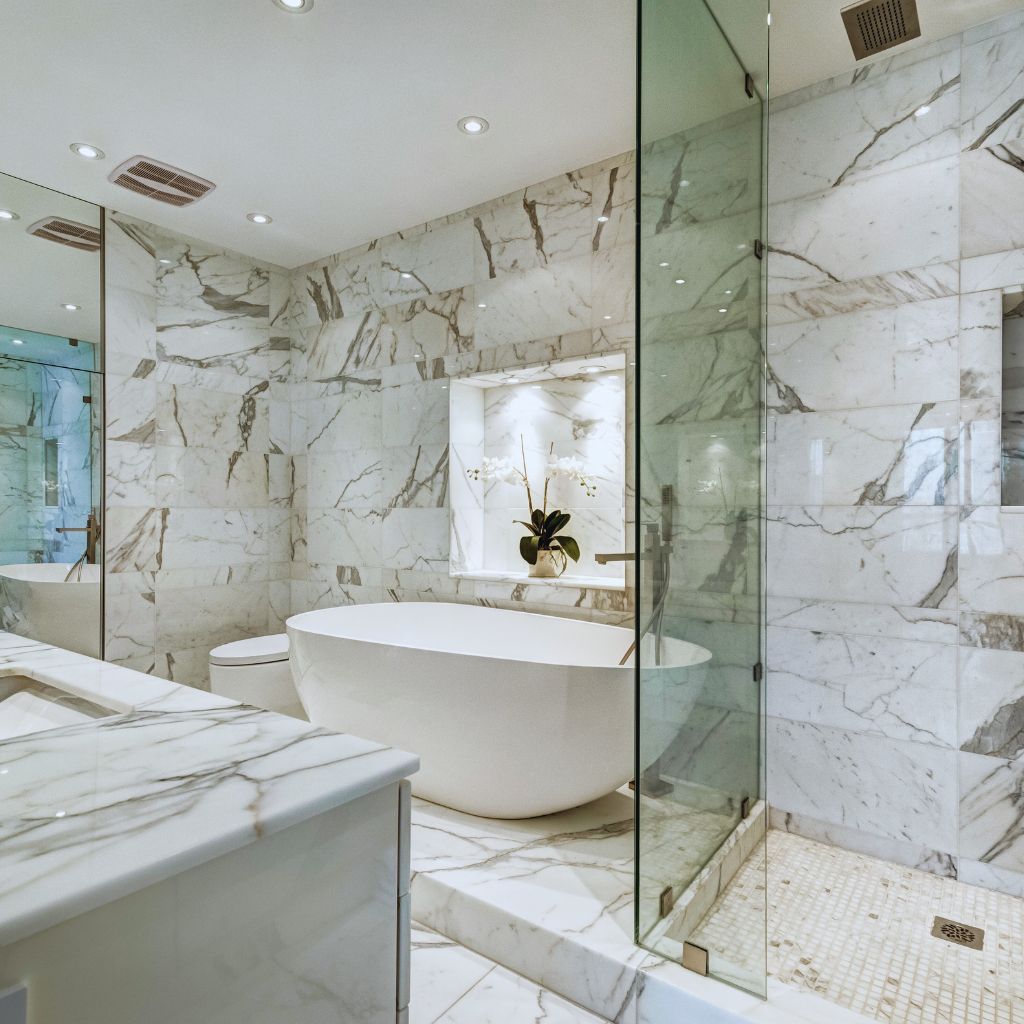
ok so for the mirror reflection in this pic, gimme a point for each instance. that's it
(50, 417)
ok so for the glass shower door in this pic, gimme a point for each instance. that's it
(699, 441)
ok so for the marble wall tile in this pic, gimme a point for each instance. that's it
(849, 134)
(415, 538)
(534, 303)
(346, 479)
(992, 183)
(901, 689)
(425, 263)
(858, 618)
(208, 477)
(991, 812)
(993, 86)
(904, 219)
(900, 555)
(878, 291)
(897, 455)
(415, 414)
(992, 702)
(991, 570)
(981, 349)
(906, 354)
(344, 536)
(535, 227)
(997, 270)
(876, 785)
(193, 417)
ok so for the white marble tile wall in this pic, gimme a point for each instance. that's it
(199, 469)
(895, 648)
(378, 334)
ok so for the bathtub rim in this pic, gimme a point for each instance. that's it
(292, 623)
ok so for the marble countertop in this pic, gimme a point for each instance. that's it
(172, 778)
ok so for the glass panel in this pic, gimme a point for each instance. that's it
(700, 434)
(50, 417)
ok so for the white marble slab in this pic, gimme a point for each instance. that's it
(175, 777)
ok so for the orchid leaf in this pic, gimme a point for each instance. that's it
(528, 547)
(569, 546)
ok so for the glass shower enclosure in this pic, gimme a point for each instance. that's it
(699, 437)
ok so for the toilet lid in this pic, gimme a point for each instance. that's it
(257, 650)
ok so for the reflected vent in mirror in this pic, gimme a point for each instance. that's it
(877, 25)
(155, 180)
(67, 232)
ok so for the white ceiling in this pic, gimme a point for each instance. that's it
(809, 43)
(340, 123)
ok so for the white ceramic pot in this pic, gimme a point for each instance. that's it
(549, 563)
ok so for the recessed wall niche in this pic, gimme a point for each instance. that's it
(1013, 397)
(571, 408)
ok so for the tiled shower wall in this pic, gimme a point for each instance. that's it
(198, 465)
(895, 580)
(378, 332)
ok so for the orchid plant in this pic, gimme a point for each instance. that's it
(545, 527)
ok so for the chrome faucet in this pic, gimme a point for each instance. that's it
(92, 537)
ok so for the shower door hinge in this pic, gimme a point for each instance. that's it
(759, 248)
(745, 808)
(758, 672)
(695, 958)
(87, 399)
(73, 342)
(748, 84)
(666, 901)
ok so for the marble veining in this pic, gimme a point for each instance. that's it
(174, 777)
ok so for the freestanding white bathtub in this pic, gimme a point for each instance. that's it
(513, 714)
(38, 603)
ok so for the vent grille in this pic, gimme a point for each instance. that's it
(961, 934)
(877, 25)
(67, 232)
(155, 180)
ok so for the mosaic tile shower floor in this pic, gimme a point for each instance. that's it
(857, 932)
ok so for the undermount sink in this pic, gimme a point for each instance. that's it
(29, 706)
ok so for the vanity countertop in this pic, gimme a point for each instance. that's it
(175, 777)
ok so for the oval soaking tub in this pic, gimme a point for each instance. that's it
(39, 604)
(513, 714)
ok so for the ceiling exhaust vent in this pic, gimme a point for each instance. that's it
(156, 180)
(67, 232)
(876, 25)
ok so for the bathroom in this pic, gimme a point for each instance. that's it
(578, 583)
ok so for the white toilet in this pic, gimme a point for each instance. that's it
(256, 672)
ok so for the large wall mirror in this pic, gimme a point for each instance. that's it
(51, 416)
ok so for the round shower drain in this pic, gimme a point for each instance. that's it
(961, 934)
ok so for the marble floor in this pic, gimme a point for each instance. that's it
(857, 931)
(454, 985)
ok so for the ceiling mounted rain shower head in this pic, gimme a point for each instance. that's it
(163, 182)
(877, 25)
(67, 232)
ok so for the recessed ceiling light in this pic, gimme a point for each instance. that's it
(602, 219)
(70, 307)
(8, 215)
(295, 6)
(260, 218)
(86, 152)
(922, 110)
(17, 341)
(680, 280)
(473, 125)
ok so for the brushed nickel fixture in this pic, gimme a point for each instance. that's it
(67, 232)
(695, 958)
(877, 25)
(92, 537)
(156, 180)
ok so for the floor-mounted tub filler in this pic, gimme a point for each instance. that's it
(504, 708)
